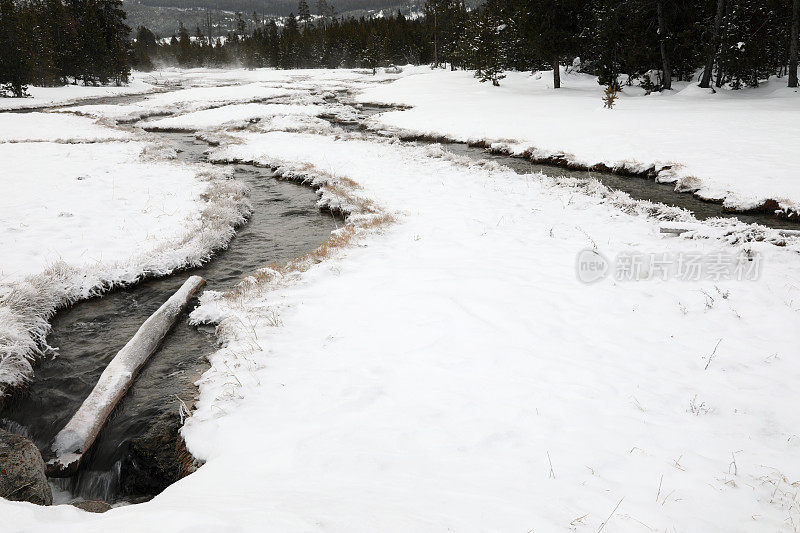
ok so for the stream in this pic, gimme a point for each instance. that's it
(285, 224)
(132, 459)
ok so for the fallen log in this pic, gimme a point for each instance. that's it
(81, 431)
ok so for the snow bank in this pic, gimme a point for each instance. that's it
(312, 80)
(38, 127)
(468, 381)
(233, 116)
(95, 216)
(183, 101)
(736, 146)
(51, 96)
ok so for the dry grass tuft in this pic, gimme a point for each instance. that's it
(186, 461)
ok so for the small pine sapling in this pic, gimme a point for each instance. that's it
(611, 94)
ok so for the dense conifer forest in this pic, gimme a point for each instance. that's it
(735, 43)
(54, 42)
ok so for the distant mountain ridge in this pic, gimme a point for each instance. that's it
(163, 17)
(269, 7)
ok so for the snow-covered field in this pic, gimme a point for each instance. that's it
(49, 96)
(439, 365)
(187, 100)
(231, 116)
(740, 146)
(52, 127)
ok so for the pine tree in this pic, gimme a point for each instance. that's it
(323, 11)
(793, 52)
(289, 44)
(713, 45)
(62, 37)
(489, 50)
(663, 35)
(14, 70)
(273, 44)
(184, 46)
(116, 36)
(555, 26)
(439, 14)
(303, 12)
(374, 54)
(144, 47)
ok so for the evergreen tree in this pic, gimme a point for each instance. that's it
(144, 48)
(663, 36)
(184, 47)
(115, 34)
(439, 15)
(555, 27)
(374, 54)
(323, 11)
(713, 45)
(489, 45)
(14, 69)
(289, 44)
(793, 47)
(273, 44)
(303, 12)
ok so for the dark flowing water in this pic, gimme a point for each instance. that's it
(285, 224)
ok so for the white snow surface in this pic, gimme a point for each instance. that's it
(448, 371)
(740, 146)
(49, 96)
(183, 101)
(232, 116)
(89, 203)
(37, 127)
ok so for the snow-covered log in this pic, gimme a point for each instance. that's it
(80, 432)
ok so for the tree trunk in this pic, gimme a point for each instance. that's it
(705, 82)
(435, 40)
(666, 81)
(75, 439)
(793, 49)
(556, 74)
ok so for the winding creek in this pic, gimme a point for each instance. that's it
(285, 224)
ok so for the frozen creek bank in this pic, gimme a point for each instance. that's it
(450, 371)
(136, 453)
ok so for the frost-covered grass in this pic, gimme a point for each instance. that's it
(438, 366)
(740, 146)
(81, 218)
